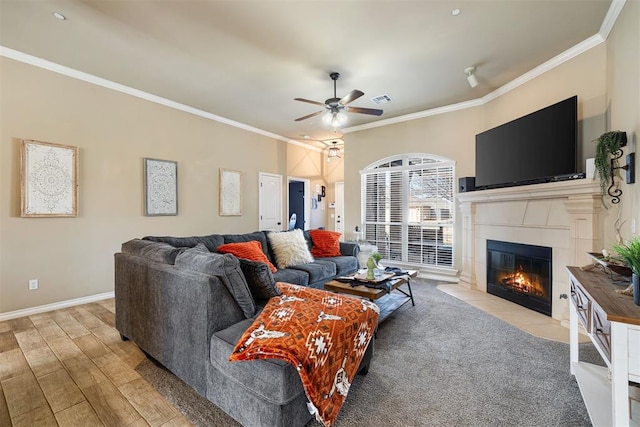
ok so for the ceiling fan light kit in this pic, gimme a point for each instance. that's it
(471, 76)
(335, 108)
(335, 119)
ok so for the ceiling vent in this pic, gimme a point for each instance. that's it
(382, 99)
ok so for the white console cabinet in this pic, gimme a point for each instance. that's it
(612, 321)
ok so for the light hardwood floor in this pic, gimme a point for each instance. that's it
(70, 368)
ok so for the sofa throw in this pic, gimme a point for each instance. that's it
(227, 267)
(290, 248)
(323, 335)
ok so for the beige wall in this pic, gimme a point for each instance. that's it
(448, 135)
(73, 257)
(307, 163)
(452, 135)
(623, 112)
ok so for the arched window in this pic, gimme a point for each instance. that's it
(408, 208)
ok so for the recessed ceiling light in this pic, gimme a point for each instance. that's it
(59, 16)
(455, 12)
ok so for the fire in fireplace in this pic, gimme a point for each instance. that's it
(520, 273)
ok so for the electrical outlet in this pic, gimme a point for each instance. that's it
(633, 226)
(33, 284)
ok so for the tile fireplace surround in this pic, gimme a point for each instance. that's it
(562, 215)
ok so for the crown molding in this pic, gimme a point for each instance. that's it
(99, 81)
(611, 17)
(303, 145)
(414, 116)
(607, 24)
(557, 60)
(549, 65)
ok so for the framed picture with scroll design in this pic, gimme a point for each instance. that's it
(160, 187)
(230, 192)
(48, 179)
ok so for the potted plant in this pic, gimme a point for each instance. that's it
(606, 145)
(630, 253)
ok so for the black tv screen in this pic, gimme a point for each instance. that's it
(539, 147)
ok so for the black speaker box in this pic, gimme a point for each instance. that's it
(466, 183)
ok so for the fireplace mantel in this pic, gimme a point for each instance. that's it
(550, 190)
(561, 215)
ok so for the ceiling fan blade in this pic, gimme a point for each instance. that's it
(371, 111)
(308, 101)
(351, 96)
(308, 116)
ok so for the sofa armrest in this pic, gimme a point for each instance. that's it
(171, 314)
(349, 249)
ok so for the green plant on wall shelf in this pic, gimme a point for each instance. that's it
(608, 151)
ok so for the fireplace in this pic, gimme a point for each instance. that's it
(520, 273)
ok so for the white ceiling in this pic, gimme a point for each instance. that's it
(246, 60)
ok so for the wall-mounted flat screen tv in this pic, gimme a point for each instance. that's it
(538, 147)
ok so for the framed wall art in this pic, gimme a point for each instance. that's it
(160, 187)
(230, 192)
(48, 179)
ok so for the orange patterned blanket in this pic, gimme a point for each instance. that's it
(323, 335)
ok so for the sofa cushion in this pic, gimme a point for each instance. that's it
(211, 242)
(258, 236)
(319, 270)
(344, 264)
(290, 275)
(290, 248)
(259, 278)
(273, 380)
(251, 250)
(227, 267)
(325, 243)
(154, 251)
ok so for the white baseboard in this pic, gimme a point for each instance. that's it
(55, 306)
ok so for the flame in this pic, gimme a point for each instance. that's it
(522, 282)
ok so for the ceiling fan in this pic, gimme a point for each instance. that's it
(335, 107)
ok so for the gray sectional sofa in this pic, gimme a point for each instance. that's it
(313, 274)
(186, 306)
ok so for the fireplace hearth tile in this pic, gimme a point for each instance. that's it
(524, 319)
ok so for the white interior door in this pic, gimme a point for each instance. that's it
(339, 212)
(270, 201)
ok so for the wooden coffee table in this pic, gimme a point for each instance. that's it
(387, 301)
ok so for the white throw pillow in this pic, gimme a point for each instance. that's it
(290, 248)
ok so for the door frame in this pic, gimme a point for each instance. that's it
(339, 205)
(307, 199)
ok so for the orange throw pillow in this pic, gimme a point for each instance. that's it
(325, 243)
(248, 250)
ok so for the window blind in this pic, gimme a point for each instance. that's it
(408, 209)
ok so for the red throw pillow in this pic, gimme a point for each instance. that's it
(325, 243)
(248, 250)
